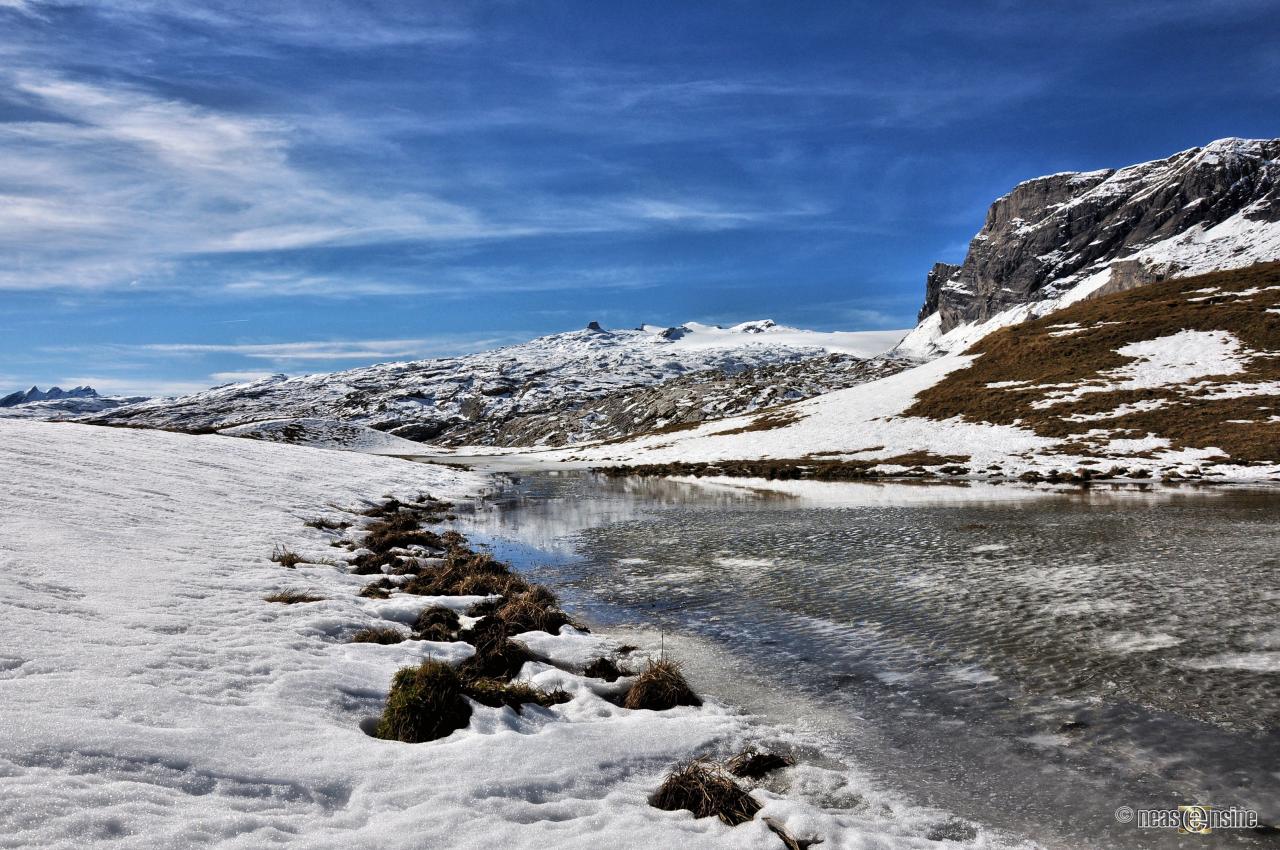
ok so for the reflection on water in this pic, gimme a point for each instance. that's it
(1060, 653)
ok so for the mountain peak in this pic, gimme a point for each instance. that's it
(1077, 234)
(36, 394)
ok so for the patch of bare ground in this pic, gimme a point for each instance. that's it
(794, 469)
(778, 417)
(1031, 364)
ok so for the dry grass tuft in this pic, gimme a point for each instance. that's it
(292, 597)
(326, 524)
(495, 693)
(437, 623)
(753, 764)
(398, 531)
(497, 656)
(378, 635)
(531, 612)
(706, 790)
(660, 686)
(284, 557)
(604, 668)
(426, 702)
(767, 421)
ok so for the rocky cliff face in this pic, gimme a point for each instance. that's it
(1196, 211)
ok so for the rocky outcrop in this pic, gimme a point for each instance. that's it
(676, 403)
(1193, 212)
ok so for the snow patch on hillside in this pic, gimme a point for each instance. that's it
(325, 434)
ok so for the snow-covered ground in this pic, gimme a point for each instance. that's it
(152, 698)
(325, 434)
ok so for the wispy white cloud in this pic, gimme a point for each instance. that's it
(126, 386)
(122, 187)
(301, 22)
(126, 183)
(331, 350)
(239, 377)
(287, 351)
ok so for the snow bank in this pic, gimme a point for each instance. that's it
(326, 434)
(153, 699)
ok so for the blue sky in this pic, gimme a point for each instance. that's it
(193, 194)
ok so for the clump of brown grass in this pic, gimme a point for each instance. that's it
(292, 597)
(397, 532)
(753, 764)
(380, 589)
(426, 702)
(604, 668)
(705, 789)
(660, 686)
(484, 608)
(326, 524)
(495, 693)
(282, 556)
(377, 634)
(532, 612)
(437, 623)
(496, 656)
(387, 508)
(488, 584)
(372, 563)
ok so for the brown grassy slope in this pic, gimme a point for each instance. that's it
(1027, 352)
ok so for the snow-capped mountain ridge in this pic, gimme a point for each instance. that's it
(1057, 239)
(427, 399)
(37, 394)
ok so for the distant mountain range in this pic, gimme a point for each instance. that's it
(37, 394)
(488, 397)
(57, 403)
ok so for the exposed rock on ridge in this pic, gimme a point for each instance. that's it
(1143, 223)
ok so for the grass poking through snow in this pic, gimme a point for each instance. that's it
(426, 702)
(285, 558)
(378, 635)
(753, 764)
(660, 686)
(707, 790)
(291, 597)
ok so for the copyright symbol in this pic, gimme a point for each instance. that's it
(1124, 814)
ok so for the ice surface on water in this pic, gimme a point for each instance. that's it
(1006, 610)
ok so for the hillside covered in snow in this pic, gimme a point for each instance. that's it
(477, 398)
(1178, 379)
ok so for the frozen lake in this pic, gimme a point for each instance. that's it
(1031, 660)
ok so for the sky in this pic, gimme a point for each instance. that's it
(194, 194)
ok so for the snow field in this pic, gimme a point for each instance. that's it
(153, 699)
